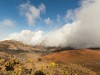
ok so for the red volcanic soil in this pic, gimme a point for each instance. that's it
(86, 57)
(73, 55)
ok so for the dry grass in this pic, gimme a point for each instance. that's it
(11, 65)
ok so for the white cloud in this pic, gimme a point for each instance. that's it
(48, 21)
(31, 12)
(70, 15)
(7, 23)
(53, 38)
(6, 26)
(27, 37)
(59, 37)
(86, 34)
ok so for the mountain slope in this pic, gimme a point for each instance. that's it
(85, 57)
(14, 45)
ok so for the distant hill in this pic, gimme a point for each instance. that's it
(14, 45)
(17, 45)
(68, 55)
(86, 57)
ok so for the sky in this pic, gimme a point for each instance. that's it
(64, 23)
(34, 15)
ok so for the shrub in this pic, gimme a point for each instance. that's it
(39, 59)
(39, 72)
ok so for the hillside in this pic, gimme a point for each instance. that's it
(83, 54)
(17, 45)
(12, 65)
(14, 45)
(85, 57)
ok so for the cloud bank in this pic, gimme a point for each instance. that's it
(53, 38)
(83, 32)
(87, 33)
(27, 37)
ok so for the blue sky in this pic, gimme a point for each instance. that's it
(51, 14)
